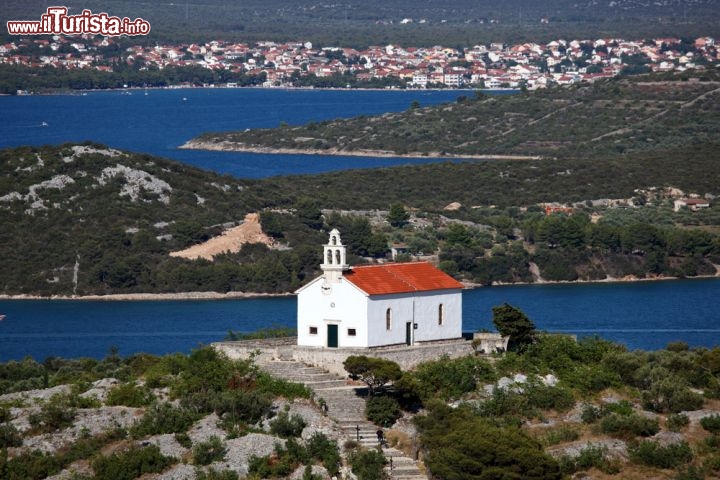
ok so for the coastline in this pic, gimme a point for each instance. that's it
(226, 146)
(136, 297)
(607, 280)
(138, 88)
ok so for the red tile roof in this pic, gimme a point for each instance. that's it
(400, 278)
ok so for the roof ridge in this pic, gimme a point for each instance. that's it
(402, 278)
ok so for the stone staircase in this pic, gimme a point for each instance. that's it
(346, 405)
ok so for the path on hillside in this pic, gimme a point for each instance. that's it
(630, 128)
(347, 408)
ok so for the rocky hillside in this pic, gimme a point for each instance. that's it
(86, 219)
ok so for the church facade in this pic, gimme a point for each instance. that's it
(377, 305)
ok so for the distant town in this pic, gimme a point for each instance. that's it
(271, 64)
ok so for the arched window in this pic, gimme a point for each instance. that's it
(329, 257)
(441, 314)
(337, 257)
(334, 240)
(388, 319)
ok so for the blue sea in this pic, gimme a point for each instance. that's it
(644, 315)
(159, 121)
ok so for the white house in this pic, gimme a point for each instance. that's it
(377, 305)
(693, 204)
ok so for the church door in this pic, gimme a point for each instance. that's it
(332, 336)
(408, 333)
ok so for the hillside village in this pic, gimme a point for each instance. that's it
(270, 64)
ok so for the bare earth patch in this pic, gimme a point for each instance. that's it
(231, 241)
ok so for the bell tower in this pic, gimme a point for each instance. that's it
(334, 259)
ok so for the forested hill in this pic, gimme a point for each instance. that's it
(617, 116)
(358, 23)
(86, 219)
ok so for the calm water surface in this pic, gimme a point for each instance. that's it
(640, 315)
(644, 315)
(162, 120)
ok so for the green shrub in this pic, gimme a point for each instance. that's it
(204, 453)
(278, 387)
(212, 474)
(629, 425)
(711, 423)
(129, 395)
(183, 439)
(597, 457)
(4, 414)
(546, 397)
(263, 333)
(677, 421)
(691, 472)
(653, 454)
(671, 395)
(207, 370)
(320, 447)
(237, 407)
(711, 464)
(163, 418)
(55, 414)
(447, 378)
(526, 403)
(460, 444)
(287, 426)
(382, 410)
(592, 456)
(33, 465)
(9, 436)
(623, 407)
(590, 413)
(677, 347)
(282, 463)
(713, 442)
(368, 464)
(560, 434)
(131, 463)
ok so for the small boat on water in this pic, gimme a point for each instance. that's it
(2, 317)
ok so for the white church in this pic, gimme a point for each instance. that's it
(377, 305)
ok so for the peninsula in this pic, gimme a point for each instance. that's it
(609, 117)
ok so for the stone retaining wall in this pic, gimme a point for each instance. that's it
(331, 359)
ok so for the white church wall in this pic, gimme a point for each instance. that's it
(344, 305)
(427, 316)
(421, 309)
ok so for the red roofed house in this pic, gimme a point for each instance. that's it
(377, 305)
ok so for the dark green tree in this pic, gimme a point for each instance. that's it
(397, 216)
(511, 321)
(375, 372)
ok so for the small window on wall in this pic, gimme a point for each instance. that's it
(351, 332)
(388, 319)
(313, 330)
(441, 314)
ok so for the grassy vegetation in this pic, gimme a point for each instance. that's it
(121, 245)
(593, 415)
(620, 116)
(199, 384)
